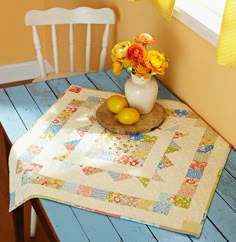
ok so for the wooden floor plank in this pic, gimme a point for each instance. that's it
(10, 118)
(97, 227)
(164, 93)
(209, 234)
(132, 231)
(223, 217)
(102, 81)
(25, 105)
(81, 80)
(42, 95)
(167, 236)
(227, 189)
(64, 222)
(58, 86)
(120, 80)
(231, 164)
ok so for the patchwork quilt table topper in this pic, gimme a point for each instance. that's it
(164, 178)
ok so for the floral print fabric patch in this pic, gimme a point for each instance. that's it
(158, 178)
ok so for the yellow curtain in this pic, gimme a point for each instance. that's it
(165, 7)
(226, 50)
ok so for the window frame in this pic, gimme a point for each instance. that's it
(200, 18)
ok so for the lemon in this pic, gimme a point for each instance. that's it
(128, 116)
(116, 103)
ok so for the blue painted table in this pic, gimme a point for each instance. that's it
(21, 106)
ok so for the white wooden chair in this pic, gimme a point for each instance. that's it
(59, 16)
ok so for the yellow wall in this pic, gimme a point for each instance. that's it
(15, 44)
(193, 74)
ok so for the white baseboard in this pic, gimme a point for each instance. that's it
(22, 71)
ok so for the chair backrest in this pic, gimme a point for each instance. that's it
(81, 15)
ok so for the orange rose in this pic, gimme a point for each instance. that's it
(142, 70)
(136, 53)
(144, 39)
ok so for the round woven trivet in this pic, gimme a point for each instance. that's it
(146, 123)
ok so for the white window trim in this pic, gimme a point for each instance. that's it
(201, 20)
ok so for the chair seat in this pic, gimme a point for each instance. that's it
(51, 76)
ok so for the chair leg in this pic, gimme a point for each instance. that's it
(18, 220)
(44, 220)
(33, 223)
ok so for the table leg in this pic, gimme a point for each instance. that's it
(17, 216)
(18, 219)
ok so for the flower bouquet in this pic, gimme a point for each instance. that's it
(137, 59)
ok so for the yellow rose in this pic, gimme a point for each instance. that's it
(119, 51)
(117, 67)
(157, 62)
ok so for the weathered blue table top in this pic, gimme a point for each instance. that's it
(21, 106)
